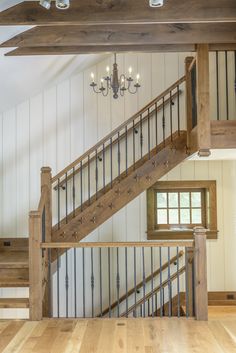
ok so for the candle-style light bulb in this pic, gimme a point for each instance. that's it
(92, 76)
(130, 71)
(107, 70)
(102, 80)
(137, 77)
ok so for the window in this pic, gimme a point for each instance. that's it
(175, 208)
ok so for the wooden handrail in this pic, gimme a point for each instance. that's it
(122, 136)
(43, 199)
(155, 290)
(145, 244)
(115, 131)
(191, 66)
(140, 284)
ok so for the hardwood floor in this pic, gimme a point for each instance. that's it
(218, 335)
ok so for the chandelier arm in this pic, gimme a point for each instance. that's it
(95, 91)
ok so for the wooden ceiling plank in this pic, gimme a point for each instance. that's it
(127, 35)
(76, 50)
(121, 12)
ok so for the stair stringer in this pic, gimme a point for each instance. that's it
(123, 192)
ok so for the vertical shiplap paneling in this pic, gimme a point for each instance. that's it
(22, 164)
(1, 174)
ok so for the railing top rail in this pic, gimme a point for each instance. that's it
(120, 127)
(191, 66)
(146, 244)
(43, 199)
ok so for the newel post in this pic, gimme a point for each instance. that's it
(35, 267)
(188, 98)
(46, 177)
(200, 274)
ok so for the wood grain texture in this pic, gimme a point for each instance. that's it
(223, 134)
(122, 12)
(129, 35)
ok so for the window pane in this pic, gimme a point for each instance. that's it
(173, 199)
(161, 199)
(185, 216)
(196, 199)
(162, 216)
(184, 199)
(173, 216)
(196, 216)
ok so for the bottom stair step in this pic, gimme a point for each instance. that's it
(12, 282)
(14, 303)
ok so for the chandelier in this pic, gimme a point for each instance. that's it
(118, 85)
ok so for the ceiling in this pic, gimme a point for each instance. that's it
(22, 77)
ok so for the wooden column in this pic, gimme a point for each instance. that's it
(35, 266)
(46, 182)
(203, 100)
(188, 95)
(200, 274)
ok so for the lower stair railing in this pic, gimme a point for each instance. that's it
(86, 279)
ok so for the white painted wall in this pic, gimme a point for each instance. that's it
(60, 123)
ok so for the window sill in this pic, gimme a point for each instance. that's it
(177, 234)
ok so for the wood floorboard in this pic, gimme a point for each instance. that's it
(218, 335)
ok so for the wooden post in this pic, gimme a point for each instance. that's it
(188, 99)
(189, 270)
(203, 100)
(200, 274)
(46, 178)
(35, 266)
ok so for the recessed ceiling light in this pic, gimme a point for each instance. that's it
(62, 4)
(156, 3)
(45, 3)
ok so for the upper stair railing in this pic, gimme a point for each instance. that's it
(123, 150)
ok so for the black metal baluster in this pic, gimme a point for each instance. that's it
(58, 285)
(58, 204)
(178, 109)
(227, 85)
(119, 154)
(156, 129)
(67, 283)
(149, 142)
(144, 282)
(163, 301)
(171, 118)
(152, 282)
(104, 166)
(118, 282)
(66, 198)
(83, 269)
(126, 150)
(92, 282)
(75, 282)
(50, 283)
(126, 282)
(141, 135)
(81, 186)
(186, 282)
(96, 173)
(217, 86)
(148, 307)
(109, 280)
(156, 303)
(100, 266)
(135, 284)
(177, 262)
(111, 160)
(163, 121)
(169, 290)
(73, 190)
(89, 179)
(160, 261)
(133, 145)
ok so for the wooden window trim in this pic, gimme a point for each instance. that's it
(209, 187)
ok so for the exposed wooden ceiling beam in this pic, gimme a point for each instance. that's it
(127, 35)
(121, 12)
(87, 49)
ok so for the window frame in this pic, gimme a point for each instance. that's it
(162, 232)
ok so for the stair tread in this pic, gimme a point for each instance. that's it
(14, 259)
(13, 282)
(15, 303)
(221, 302)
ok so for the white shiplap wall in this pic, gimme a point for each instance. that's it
(60, 123)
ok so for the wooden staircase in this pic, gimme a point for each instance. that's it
(14, 270)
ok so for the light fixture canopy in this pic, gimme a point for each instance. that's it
(46, 4)
(156, 3)
(115, 83)
(62, 4)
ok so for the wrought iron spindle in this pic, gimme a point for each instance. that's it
(100, 277)
(109, 280)
(66, 200)
(67, 283)
(126, 282)
(58, 285)
(92, 282)
(73, 190)
(177, 262)
(156, 128)
(104, 166)
(133, 145)
(171, 118)
(75, 282)
(118, 282)
(96, 174)
(152, 281)
(58, 204)
(160, 263)
(111, 161)
(141, 136)
(149, 138)
(89, 179)
(135, 284)
(186, 283)
(178, 109)
(169, 285)
(226, 85)
(119, 156)
(81, 186)
(126, 150)
(83, 275)
(144, 281)
(163, 121)
(217, 86)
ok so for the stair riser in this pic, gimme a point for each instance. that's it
(13, 273)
